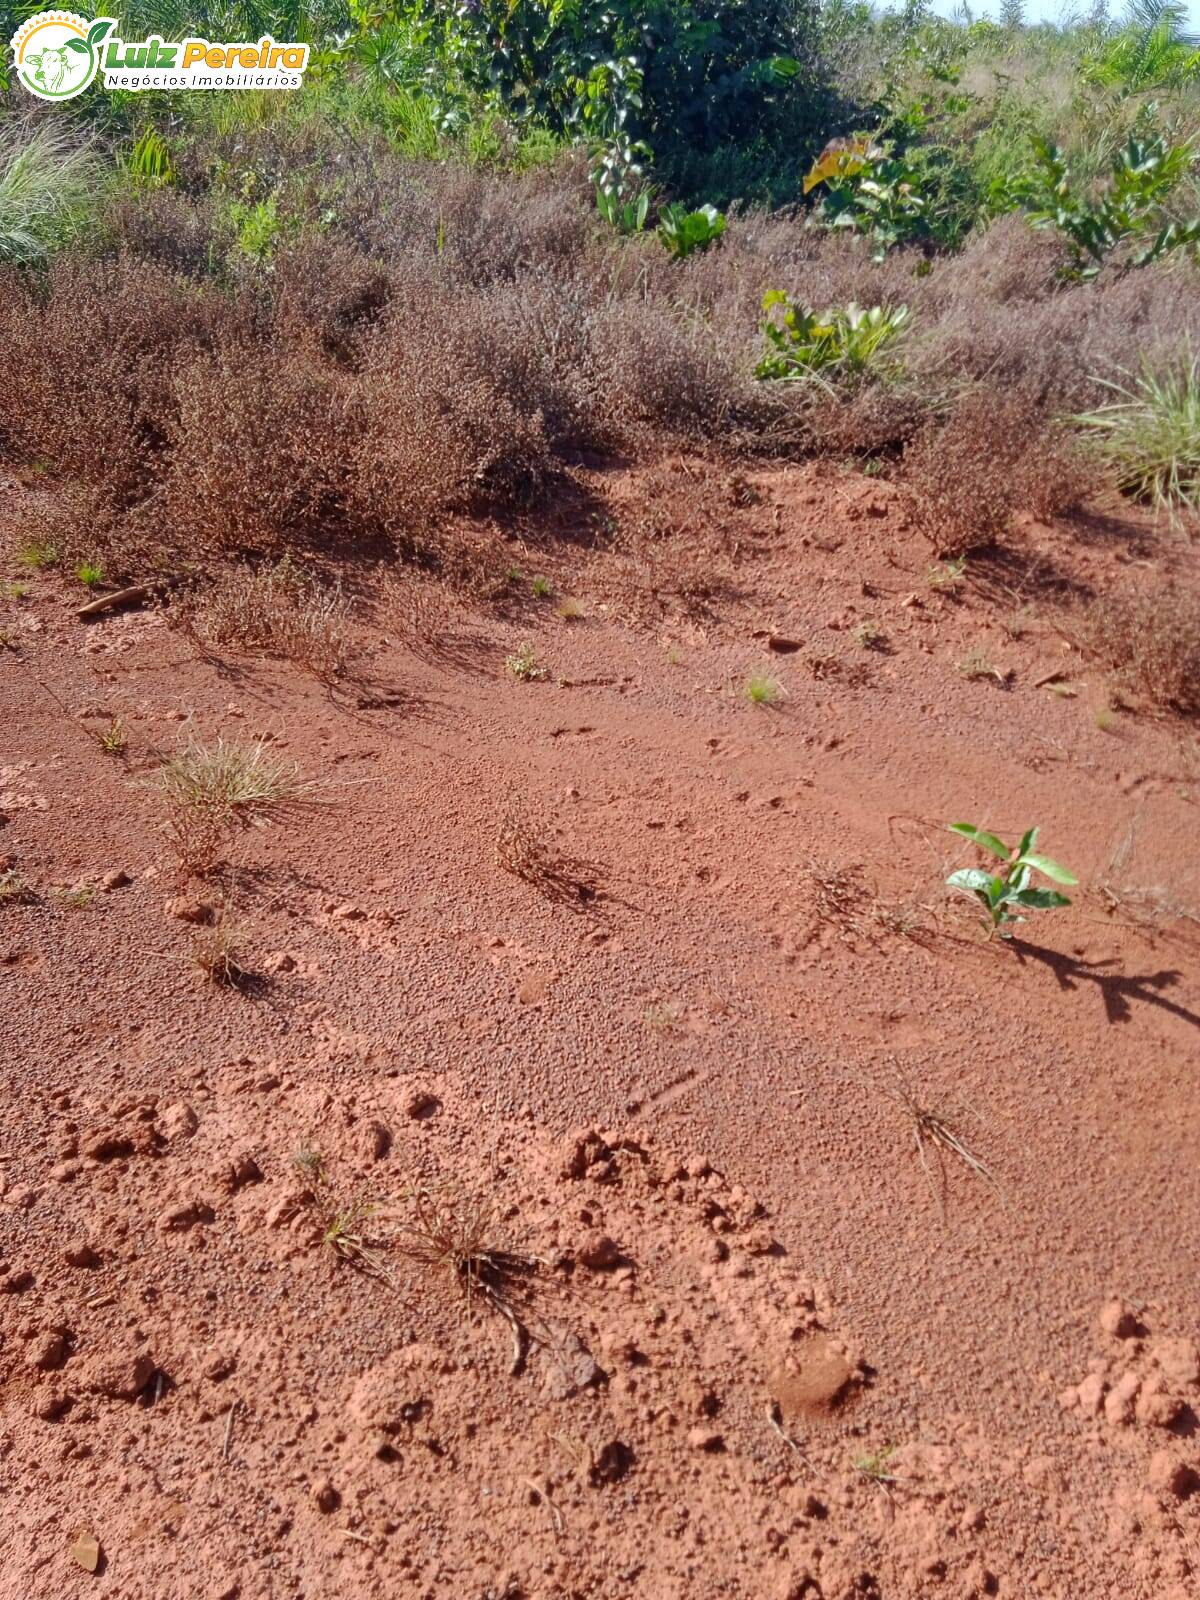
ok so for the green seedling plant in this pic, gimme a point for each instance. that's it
(1008, 888)
(625, 216)
(90, 574)
(38, 553)
(803, 344)
(681, 232)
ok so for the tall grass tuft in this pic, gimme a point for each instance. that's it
(1150, 434)
(47, 181)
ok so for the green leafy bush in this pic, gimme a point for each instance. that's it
(998, 892)
(150, 161)
(805, 344)
(623, 76)
(1144, 175)
(869, 190)
(682, 231)
(627, 216)
(1151, 51)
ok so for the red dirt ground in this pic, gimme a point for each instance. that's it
(769, 1354)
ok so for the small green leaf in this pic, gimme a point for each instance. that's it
(972, 880)
(986, 841)
(1050, 868)
(98, 29)
(1028, 842)
(78, 46)
(1041, 899)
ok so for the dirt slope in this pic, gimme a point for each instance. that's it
(769, 1350)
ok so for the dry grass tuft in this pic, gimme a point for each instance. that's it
(463, 1238)
(14, 891)
(344, 1223)
(219, 952)
(280, 611)
(207, 790)
(525, 851)
(936, 1132)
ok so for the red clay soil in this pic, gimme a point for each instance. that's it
(767, 1347)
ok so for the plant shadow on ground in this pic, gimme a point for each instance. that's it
(1117, 989)
(1002, 574)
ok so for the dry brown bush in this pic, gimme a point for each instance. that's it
(1150, 642)
(88, 366)
(327, 295)
(167, 229)
(273, 473)
(992, 455)
(433, 434)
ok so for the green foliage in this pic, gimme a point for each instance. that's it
(622, 76)
(1150, 434)
(150, 161)
(1151, 51)
(37, 553)
(1131, 213)
(90, 574)
(682, 231)
(258, 226)
(844, 341)
(871, 190)
(48, 182)
(999, 892)
(763, 690)
(627, 216)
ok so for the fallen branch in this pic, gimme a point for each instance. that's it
(137, 594)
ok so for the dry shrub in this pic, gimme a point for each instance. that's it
(280, 611)
(170, 230)
(484, 227)
(463, 1238)
(657, 369)
(1151, 642)
(208, 790)
(994, 454)
(327, 295)
(433, 435)
(219, 952)
(273, 473)
(88, 367)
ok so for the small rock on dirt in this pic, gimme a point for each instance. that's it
(375, 1139)
(421, 1105)
(598, 1252)
(47, 1352)
(86, 1552)
(1118, 1320)
(187, 908)
(326, 1496)
(117, 879)
(571, 1367)
(177, 1121)
(610, 1463)
(706, 1439)
(1168, 1475)
(79, 1253)
(118, 1374)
